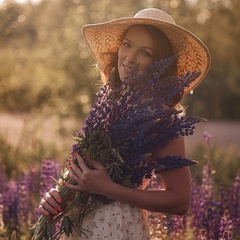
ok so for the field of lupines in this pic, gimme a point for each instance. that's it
(214, 212)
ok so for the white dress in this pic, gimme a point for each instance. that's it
(114, 221)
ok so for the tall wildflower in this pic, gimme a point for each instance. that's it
(2, 192)
(164, 225)
(203, 208)
(34, 183)
(10, 198)
(207, 208)
(2, 179)
(128, 121)
(48, 173)
(23, 195)
(195, 211)
(49, 170)
(234, 204)
(2, 224)
(225, 227)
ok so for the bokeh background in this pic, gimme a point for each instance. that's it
(48, 80)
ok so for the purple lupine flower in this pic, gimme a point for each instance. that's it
(2, 193)
(165, 225)
(178, 226)
(34, 180)
(2, 224)
(226, 227)
(206, 209)
(207, 193)
(195, 203)
(49, 170)
(201, 208)
(24, 184)
(154, 183)
(128, 121)
(234, 204)
(10, 202)
(207, 138)
(2, 180)
(220, 206)
(219, 214)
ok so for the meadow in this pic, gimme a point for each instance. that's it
(46, 71)
(215, 205)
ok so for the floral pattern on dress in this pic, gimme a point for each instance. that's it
(115, 221)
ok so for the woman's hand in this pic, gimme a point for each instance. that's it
(88, 180)
(50, 203)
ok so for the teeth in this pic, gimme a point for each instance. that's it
(127, 68)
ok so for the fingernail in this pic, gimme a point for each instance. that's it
(59, 209)
(75, 154)
(47, 214)
(68, 167)
(69, 160)
(59, 200)
(55, 212)
(63, 183)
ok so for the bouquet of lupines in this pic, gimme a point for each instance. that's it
(128, 122)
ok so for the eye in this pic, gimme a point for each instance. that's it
(146, 53)
(126, 44)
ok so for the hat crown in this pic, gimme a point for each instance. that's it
(155, 14)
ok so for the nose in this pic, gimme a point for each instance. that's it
(131, 57)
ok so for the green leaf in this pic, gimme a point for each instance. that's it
(67, 225)
(49, 230)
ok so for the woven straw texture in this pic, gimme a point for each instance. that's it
(106, 38)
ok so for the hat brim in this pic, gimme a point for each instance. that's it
(106, 38)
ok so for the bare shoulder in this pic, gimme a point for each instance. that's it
(175, 147)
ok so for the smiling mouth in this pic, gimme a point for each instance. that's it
(127, 68)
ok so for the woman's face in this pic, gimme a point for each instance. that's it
(137, 47)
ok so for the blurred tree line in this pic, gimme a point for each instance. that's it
(46, 68)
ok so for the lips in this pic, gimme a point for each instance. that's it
(127, 69)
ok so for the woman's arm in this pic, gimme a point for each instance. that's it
(173, 198)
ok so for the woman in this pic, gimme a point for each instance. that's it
(149, 36)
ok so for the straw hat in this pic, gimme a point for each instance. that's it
(106, 38)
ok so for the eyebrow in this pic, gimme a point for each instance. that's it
(144, 47)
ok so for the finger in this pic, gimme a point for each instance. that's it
(96, 164)
(43, 211)
(76, 169)
(72, 187)
(45, 208)
(82, 164)
(50, 204)
(55, 194)
(72, 174)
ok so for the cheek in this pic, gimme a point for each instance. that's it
(121, 53)
(144, 65)
(120, 56)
